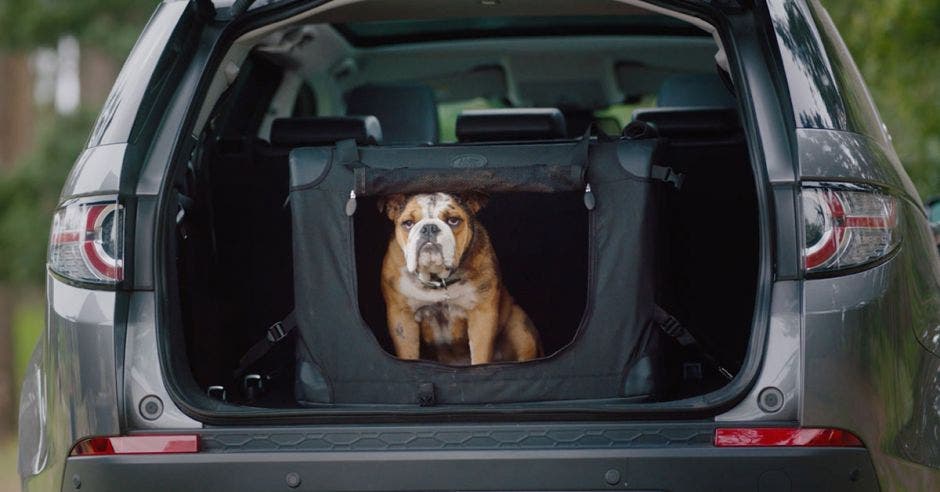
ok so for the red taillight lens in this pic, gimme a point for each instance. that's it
(98, 446)
(86, 243)
(782, 436)
(847, 228)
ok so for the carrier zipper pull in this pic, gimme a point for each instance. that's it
(589, 201)
(351, 203)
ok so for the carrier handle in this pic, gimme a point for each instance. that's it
(540, 178)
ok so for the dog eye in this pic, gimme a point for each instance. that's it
(407, 224)
(453, 221)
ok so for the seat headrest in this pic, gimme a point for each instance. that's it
(694, 90)
(690, 122)
(325, 130)
(408, 112)
(489, 125)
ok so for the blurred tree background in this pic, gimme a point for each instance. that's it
(58, 59)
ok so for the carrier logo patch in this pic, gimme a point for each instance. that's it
(466, 161)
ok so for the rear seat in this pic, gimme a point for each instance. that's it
(325, 130)
(692, 106)
(691, 123)
(290, 133)
(407, 112)
(510, 124)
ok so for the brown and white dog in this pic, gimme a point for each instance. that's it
(440, 279)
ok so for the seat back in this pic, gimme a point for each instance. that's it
(505, 124)
(407, 112)
(694, 90)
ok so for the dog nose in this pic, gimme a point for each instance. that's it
(430, 230)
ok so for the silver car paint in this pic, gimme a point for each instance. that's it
(97, 170)
(76, 388)
(781, 363)
(143, 377)
(869, 338)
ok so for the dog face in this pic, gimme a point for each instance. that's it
(433, 230)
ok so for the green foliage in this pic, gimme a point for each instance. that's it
(29, 193)
(111, 25)
(896, 45)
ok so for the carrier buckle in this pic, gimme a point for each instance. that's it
(276, 332)
(668, 175)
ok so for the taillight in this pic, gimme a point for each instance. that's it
(87, 241)
(143, 444)
(784, 436)
(846, 228)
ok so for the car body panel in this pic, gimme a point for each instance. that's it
(96, 171)
(143, 377)
(75, 390)
(781, 367)
(867, 370)
(74, 381)
(868, 335)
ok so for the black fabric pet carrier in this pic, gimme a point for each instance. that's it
(614, 351)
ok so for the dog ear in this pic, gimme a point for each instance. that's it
(392, 205)
(473, 201)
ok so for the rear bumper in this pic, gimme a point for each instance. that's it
(689, 468)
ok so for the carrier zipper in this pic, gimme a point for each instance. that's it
(589, 201)
(351, 203)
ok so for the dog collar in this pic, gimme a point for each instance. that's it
(440, 283)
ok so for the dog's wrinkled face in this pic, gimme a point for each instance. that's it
(433, 230)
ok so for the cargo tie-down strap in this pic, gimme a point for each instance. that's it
(669, 324)
(275, 333)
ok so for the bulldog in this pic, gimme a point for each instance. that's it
(441, 282)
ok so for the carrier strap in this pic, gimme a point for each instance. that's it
(667, 175)
(275, 333)
(669, 324)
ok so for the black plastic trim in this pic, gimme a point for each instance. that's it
(787, 238)
(465, 437)
(591, 468)
(143, 250)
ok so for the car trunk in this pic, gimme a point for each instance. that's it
(249, 250)
(236, 271)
